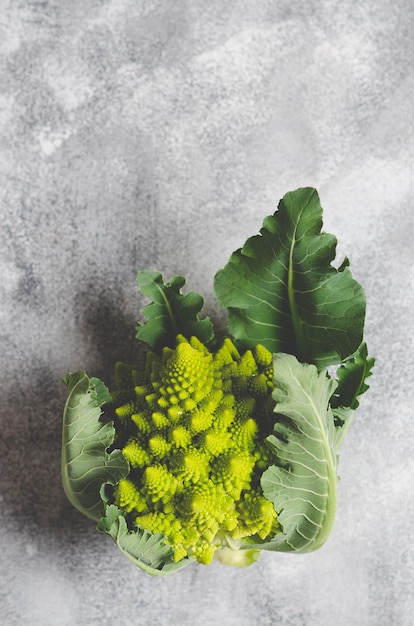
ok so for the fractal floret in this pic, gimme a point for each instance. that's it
(192, 425)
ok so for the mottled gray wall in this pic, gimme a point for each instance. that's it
(151, 134)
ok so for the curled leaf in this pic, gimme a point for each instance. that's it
(303, 482)
(86, 464)
(146, 550)
(171, 312)
(352, 376)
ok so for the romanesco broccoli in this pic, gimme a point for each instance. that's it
(225, 452)
(192, 426)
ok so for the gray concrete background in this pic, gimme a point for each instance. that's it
(150, 134)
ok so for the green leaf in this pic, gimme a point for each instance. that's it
(303, 483)
(86, 465)
(146, 550)
(282, 291)
(352, 376)
(170, 313)
(343, 417)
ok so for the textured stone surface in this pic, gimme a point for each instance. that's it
(149, 134)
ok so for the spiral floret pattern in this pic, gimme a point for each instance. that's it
(192, 426)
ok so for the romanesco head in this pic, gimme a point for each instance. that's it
(192, 425)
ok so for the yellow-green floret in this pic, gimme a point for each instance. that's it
(192, 425)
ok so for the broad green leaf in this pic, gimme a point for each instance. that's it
(281, 289)
(86, 464)
(146, 550)
(170, 313)
(352, 376)
(302, 484)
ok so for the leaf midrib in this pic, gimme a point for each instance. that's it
(169, 309)
(331, 473)
(296, 319)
